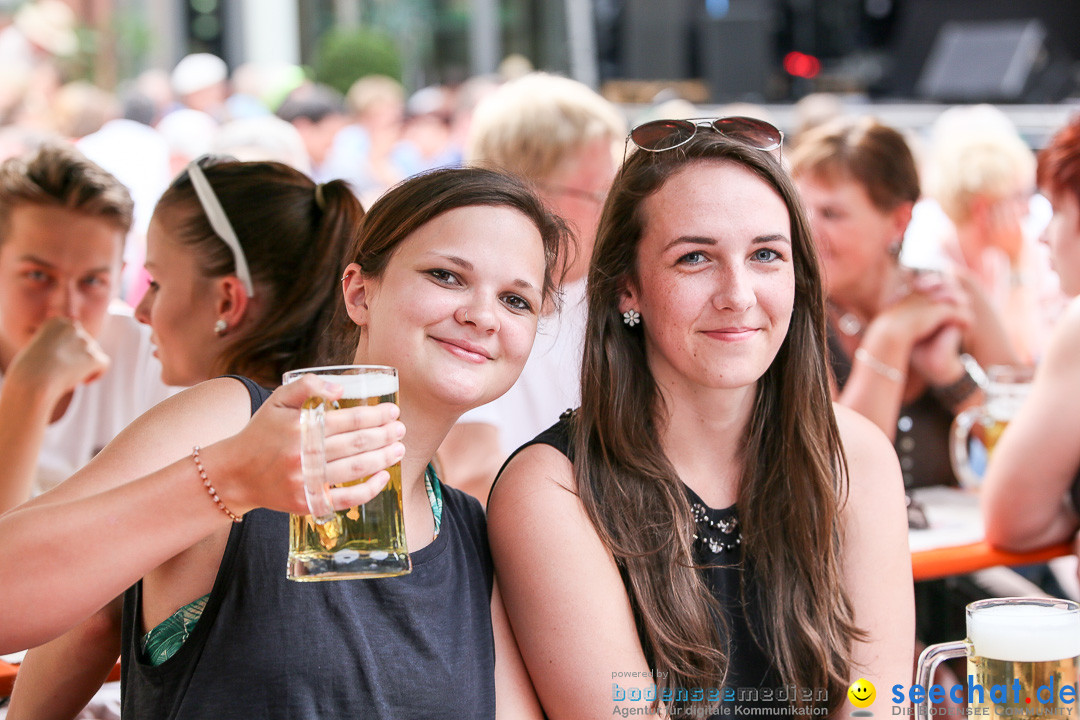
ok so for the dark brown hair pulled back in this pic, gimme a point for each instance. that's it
(295, 248)
(418, 200)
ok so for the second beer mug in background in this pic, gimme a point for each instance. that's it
(976, 430)
(1023, 656)
(367, 541)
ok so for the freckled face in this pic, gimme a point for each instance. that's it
(715, 280)
(455, 309)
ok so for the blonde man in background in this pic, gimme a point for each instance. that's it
(982, 174)
(74, 371)
(565, 139)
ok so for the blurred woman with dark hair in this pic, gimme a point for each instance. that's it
(898, 338)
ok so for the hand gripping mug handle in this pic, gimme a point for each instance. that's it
(958, 447)
(313, 462)
(930, 658)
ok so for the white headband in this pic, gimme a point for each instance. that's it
(220, 223)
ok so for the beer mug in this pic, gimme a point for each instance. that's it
(1006, 389)
(366, 541)
(1023, 656)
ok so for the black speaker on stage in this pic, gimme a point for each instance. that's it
(654, 39)
(994, 61)
(735, 51)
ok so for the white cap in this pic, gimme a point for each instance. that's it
(188, 132)
(198, 72)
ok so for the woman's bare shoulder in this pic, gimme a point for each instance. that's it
(534, 471)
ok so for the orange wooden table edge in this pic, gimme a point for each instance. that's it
(941, 562)
(7, 677)
(9, 671)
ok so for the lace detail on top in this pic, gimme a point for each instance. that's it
(718, 531)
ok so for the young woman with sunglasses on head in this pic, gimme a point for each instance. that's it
(704, 521)
(449, 272)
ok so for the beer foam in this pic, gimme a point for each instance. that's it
(363, 386)
(1024, 633)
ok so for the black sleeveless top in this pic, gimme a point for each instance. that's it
(415, 646)
(724, 571)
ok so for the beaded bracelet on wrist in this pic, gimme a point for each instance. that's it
(210, 488)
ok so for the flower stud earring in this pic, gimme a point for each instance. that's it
(220, 327)
(631, 318)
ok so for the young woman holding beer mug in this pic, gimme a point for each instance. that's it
(1031, 494)
(451, 270)
(705, 521)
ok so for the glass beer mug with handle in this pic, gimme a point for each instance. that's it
(1006, 388)
(1023, 656)
(367, 541)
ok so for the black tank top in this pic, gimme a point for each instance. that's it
(724, 571)
(415, 646)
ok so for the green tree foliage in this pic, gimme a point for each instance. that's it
(345, 56)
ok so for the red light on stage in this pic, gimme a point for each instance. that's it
(801, 65)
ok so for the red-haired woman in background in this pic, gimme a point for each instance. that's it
(1031, 494)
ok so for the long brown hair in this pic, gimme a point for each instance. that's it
(294, 239)
(793, 481)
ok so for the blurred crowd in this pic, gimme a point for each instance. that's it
(979, 210)
(931, 245)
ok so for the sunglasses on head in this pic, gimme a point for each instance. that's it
(660, 135)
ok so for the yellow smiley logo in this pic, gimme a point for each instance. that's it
(862, 693)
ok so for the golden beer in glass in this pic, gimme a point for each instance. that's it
(1007, 387)
(366, 541)
(1023, 658)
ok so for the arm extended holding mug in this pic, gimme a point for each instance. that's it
(123, 515)
(1025, 494)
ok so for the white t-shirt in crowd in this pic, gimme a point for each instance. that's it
(1028, 298)
(550, 384)
(101, 409)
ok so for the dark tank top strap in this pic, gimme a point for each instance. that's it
(1074, 492)
(257, 392)
(557, 436)
(839, 362)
